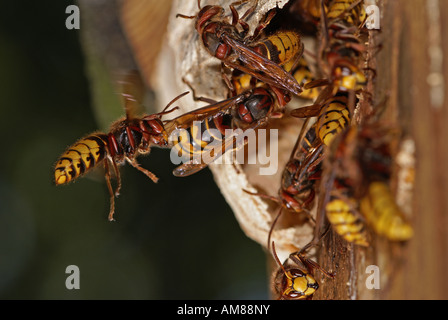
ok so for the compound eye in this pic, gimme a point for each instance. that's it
(259, 104)
(222, 51)
(244, 113)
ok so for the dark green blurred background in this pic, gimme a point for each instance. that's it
(174, 240)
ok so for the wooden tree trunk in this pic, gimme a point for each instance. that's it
(409, 68)
(422, 88)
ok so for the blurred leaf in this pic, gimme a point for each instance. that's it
(108, 57)
(144, 23)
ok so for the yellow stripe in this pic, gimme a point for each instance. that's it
(287, 44)
(333, 120)
(196, 134)
(76, 157)
(338, 7)
(242, 83)
(383, 214)
(345, 222)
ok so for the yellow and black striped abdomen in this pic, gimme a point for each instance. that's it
(345, 222)
(188, 143)
(333, 118)
(356, 15)
(383, 214)
(303, 75)
(197, 138)
(311, 8)
(80, 157)
(281, 47)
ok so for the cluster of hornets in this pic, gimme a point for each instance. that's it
(350, 160)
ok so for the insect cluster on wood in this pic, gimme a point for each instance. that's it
(302, 70)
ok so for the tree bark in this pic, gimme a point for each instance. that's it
(410, 71)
